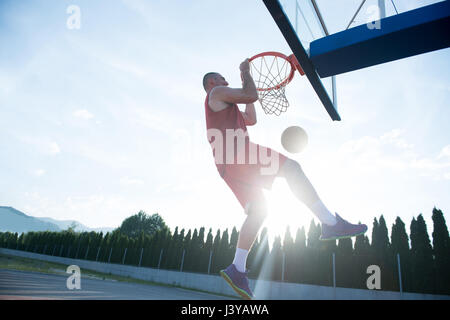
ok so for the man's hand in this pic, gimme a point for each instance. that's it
(245, 66)
(221, 96)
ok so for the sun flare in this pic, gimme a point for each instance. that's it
(285, 210)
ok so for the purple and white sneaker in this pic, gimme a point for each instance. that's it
(238, 281)
(341, 230)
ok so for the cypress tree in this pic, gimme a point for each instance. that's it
(362, 253)
(170, 255)
(345, 265)
(422, 256)
(187, 246)
(386, 258)
(104, 247)
(207, 248)
(300, 256)
(312, 271)
(375, 242)
(233, 244)
(400, 245)
(289, 252)
(20, 241)
(187, 240)
(216, 253)
(314, 232)
(275, 260)
(383, 237)
(224, 251)
(178, 250)
(441, 251)
(156, 245)
(201, 264)
(193, 253)
(234, 239)
(325, 261)
(252, 259)
(262, 256)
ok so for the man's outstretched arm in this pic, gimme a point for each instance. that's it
(247, 94)
(249, 115)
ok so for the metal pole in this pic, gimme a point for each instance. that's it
(60, 251)
(282, 266)
(182, 261)
(210, 259)
(357, 11)
(45, 249)
(160, 257)
(399, 274)
(124, 255)
(382, 8)
(140, 259)
(110, 252)
(319, 15)
(334, 275)
(98, 251)
(87, 250)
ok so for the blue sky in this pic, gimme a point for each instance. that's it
(101, 122)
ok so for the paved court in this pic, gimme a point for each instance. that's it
(34, 285)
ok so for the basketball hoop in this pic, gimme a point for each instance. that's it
(272, 71)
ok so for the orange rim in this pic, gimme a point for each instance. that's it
(292, 60)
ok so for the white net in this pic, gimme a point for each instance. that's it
(271, 75)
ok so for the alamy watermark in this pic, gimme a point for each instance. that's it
(236, 148)
(374, 281)
(74, 281)
(74, 20)
(189, 146)
(373, 21)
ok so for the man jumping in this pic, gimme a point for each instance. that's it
(244, 167)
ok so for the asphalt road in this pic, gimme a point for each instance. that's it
(34, 285)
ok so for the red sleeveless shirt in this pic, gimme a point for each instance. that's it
(228, 118)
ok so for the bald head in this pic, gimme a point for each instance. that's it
(207, 77)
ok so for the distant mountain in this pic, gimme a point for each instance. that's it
(65, 224)
(16, 221)
(13, 220)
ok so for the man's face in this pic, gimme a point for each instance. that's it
(219, 80)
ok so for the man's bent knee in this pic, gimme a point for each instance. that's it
(289, 166)
(257, 209)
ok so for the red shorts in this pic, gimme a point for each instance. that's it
(247, 180)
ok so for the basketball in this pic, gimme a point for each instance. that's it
(294, 139)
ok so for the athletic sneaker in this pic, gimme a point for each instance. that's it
(341, 230)
(238, 281)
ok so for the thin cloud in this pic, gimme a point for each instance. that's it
(127, 181)
(392, 150)
(83, 114)
(39, 172)
(43, 145)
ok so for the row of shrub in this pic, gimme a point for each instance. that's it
(303, 258)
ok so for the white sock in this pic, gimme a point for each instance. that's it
(240, 259)
(323, 214)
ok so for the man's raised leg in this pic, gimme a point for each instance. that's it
(333, 227)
